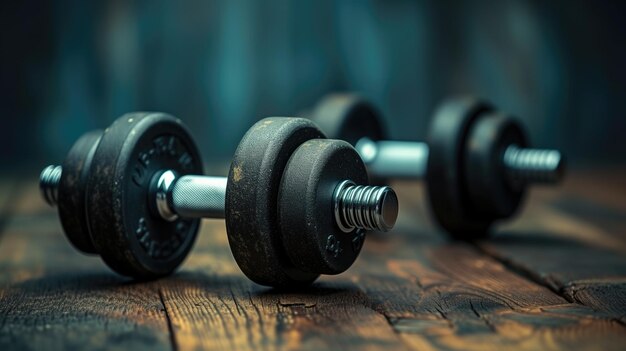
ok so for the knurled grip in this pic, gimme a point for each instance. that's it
(198, 196)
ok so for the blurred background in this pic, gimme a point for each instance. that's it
(71, 66)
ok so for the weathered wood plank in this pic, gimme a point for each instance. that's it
(81, 311)
(52, 297)
(431, 285)
(410, 288)
(600, 185)
(436, 295)
(212, 306)
(604, 295)
(221, 313)
(572, 240)
(604, 217)
(452, 297)
(555, 261)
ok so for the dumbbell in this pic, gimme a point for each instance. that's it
(294, 202)
(477, 162)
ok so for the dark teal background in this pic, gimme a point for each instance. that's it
(70, 66)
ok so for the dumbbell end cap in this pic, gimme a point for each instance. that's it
(49, 180)
(388, 204)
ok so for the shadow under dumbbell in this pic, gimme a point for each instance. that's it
(71, 281)
(210, 283)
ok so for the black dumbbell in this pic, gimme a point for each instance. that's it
(477, 162)
(293, 201)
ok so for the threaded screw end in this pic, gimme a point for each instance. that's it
(49, 180)
(533, 165)
(365, 207)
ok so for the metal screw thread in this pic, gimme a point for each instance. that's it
(533, 165)
(365, 207)
(49, 180)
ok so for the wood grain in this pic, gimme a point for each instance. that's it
(52, 297)
(452, 297)
(582, 262)
(212, 306)
(434, 294)
(229, 313)
(552, 279)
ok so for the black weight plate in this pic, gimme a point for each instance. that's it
(445, 178)
(252, 200)
(348, 117)
(130, 237)
(311, 237)
(489, 190)
(72, 191)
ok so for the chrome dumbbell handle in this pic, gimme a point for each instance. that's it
(192, 196)
(406, 159)
(49, 180)
(526, 165)
(394, 159)
(189, 196)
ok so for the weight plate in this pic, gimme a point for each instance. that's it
(311, 237)
(252, 200)
(72, 191)
(129, 236)
(489, 190)
(348, 117)
(445, 175)
(351, 118)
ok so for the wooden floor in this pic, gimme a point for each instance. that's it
(553, 279)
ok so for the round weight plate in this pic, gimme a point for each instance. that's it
(445, 178)
(311, 237)
(130, 237)
(488, 187)
(252, 200)
(348, 117)
(72, 191)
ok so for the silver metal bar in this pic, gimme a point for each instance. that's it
(198, 196)
(525, 165)
(394, 159)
